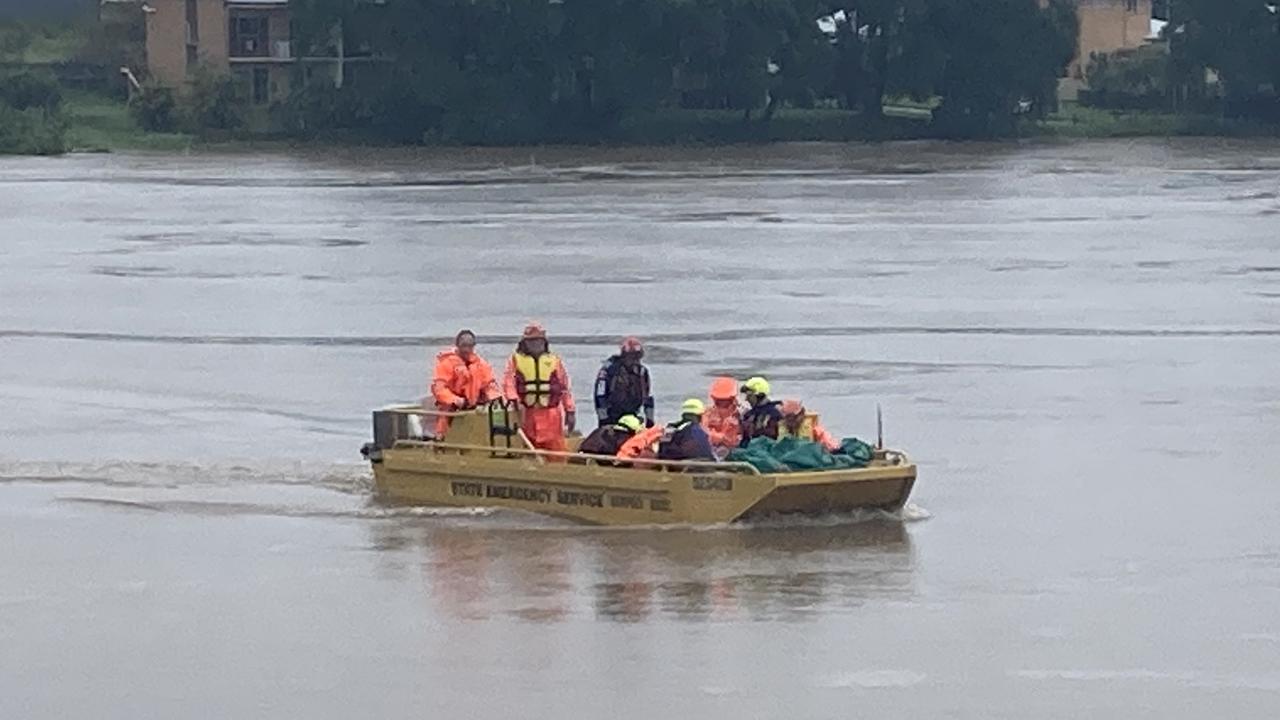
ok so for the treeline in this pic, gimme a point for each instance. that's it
(535, 70)
(48, 50)
(31, 116)
(1217, 57)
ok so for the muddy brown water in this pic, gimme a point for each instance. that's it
(1078, 343)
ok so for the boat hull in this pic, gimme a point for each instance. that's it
(485, 461)
(605, 495)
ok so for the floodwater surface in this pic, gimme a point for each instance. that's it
(1078, 344)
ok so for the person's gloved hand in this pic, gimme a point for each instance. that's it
(570, 421)
(460, 404)
(648, 422)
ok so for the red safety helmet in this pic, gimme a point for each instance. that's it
(792, 408)
(534, 331)
(632, 345)
(724, 388)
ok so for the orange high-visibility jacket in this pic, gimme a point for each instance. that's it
(641, 444)
(724, 427)
(469, 380)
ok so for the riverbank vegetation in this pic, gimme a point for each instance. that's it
(31, 114)
(519, 71)
(670, 71)
(1222, 59)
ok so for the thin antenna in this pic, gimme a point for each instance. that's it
(879, 428)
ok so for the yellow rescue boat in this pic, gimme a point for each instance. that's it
(484, 460)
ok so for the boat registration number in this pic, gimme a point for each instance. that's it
(719, 483)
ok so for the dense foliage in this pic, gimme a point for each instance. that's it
(524, 70)
(31, 120)
(1239, 40)
(1218, 56)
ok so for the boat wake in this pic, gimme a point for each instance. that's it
(324, 490)
(207, 508)
(347, 478)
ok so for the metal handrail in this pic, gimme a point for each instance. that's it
(423, 411)
(740, 467)
(420, 410)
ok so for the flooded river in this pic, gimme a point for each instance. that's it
(1079, 344)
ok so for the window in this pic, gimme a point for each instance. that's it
(1131, 5)
(193, 58)
(193, 23)
(261, 86)
(249, 35)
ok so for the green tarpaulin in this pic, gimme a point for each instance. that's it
(793, 455)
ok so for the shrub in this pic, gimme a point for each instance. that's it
(154, 108)
(211, 103)
(28, 89)
(31, 132)
(15, 38)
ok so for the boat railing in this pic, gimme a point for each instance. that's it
(388, 432)
(391, 429)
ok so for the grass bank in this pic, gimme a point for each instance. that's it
(1078, 121)
(673, 126)
(97, 123)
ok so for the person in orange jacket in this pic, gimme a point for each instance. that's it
(642, 445)
(462, 380)
(799, 423)
(723, 420)
(537, 380)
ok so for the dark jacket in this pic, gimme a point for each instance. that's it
(623, 391)
(605, 441)
(688, 441)
(761, 421)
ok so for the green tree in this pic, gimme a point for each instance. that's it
(998, 54)
(868, 34)
(1238, 39)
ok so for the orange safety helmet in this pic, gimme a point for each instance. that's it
(724, 388)
(792, 408)
(534, 331)
(632, 345)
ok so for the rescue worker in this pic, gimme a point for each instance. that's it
(623, 387)
(685, 439)
(762, 419)
(641, 445)
(609, 439)
(537, 381)
(462, 380)
(723, 420)
(798, 423)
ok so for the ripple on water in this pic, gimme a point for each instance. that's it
(620, 280)
(1251, 270)
(1029, 265)
(391, 341)
(169, 273)
(873, 679)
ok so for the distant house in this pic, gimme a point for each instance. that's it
(1110, 25)
(251, 40)
(1106, 26)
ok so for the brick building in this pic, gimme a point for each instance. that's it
(248, 39)
(1107, 26)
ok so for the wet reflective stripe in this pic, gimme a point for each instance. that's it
(535, 375)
